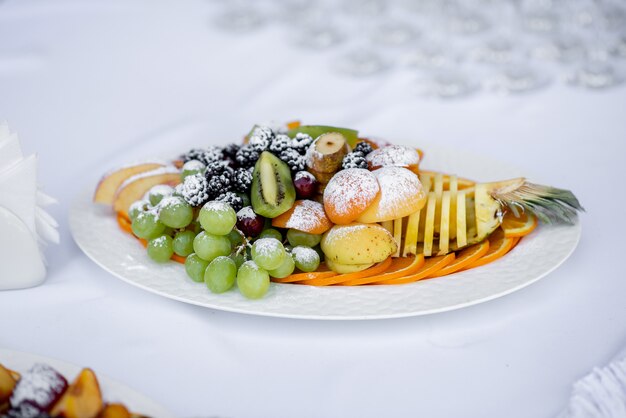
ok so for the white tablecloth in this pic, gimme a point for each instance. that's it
(89, 85)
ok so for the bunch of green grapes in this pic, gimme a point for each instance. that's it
(217, 253)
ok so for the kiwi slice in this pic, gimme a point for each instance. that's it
(272, 191)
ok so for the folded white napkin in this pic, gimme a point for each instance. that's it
(25, 227)
(600, 394)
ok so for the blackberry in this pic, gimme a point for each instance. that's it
(261, 138)
(230, 151)
(218, 185)
(354, 159)
(232, 199)
(363, 147)
(301, 142)
(212, 154)
(195, 190)
(293, 159)
(193, 154)
(219, 168)
(247, 156)
(279, 144)
(242, 180)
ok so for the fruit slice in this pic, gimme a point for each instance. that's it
(7, 384)
(394, 155)
(349, 193)
(347, 268)
(464, 258)
(304, 215)
(398, 225)
(357, 244)
(429, 230)
(39, 388)
(462, 183)
(499, 245)
(401, 194)
(461, 227)
(430, 266)
(82, 398)
(372, 271)
(110, 182)
(438, 189)
(316, 130)
(135, 187)
(114, 410)
(444, 228)
(518, 226)
(272, 189)
(326, 153)
(415, 226)
(400, 267)
(321, 273)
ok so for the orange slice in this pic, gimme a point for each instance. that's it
(519, 226)
(499, 245)
(340, 278)
(464, 258)
(430, 266)
(400, 267)
(321, 273)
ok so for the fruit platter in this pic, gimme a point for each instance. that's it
(37, 387)
(296, 217)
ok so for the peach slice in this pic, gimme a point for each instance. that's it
(115, 410)
(349, 193)
(110, 182)
(304, 215)
(401, 194)
(136, 186)
(7, 384)
(394, 156)
(82, 399)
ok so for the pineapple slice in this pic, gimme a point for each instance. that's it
(444, 229)
(454, 189)
(429, 230)
(410, 236)
(397, 234)
(461, 227)
(438, 189)
(388, 225)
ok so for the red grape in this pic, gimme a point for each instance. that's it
(305, 184)
(250, 223)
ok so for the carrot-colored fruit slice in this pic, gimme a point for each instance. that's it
(400, 267)
(430, 266)
(464, 258)
(518, 226)
(499, 245)
(340, 278)
(322, 272)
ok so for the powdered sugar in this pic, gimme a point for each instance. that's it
(40, 386)
(266, 246)
(303, 174)
(216, 206)
(170, 201)
(160, 190)
(157, 171)
(194, 165)
(393, 155)
(351, 189)
(307, 216)
(305, 255)
(246, 213)
(340, 232)
(397, 186)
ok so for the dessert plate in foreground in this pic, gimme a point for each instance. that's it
(98, 234)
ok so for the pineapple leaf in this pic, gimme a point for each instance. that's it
(549, 204)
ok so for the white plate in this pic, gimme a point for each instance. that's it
(96, 232)
(112, 391)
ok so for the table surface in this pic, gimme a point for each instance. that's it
(90, 85)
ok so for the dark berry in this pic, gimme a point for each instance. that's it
(230, 151)
(192, 154)
(247, 156)
(219, 168)
(261, 138)
(354, 159)
(242, 180)
(217, 186)
(232, 199)
(195, 190)
(305, 184)
(212, 154)
(301, 142)
(279, 144)
(38, 389)
(363, 147)
(250, 223)
(293, 159)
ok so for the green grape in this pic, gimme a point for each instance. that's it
(192, 167)
(268, 253)
(296, 238)
(285, 268)
(209, 246)
(245, 198)
(306, 259)
(195, 267)
(271, 233)
(217, 218)
(158, 192)
(220, 275)
(138, 207)
(252, 281)
(175, 212)
(160, 248)
(239, 259)
(235, 238)
(147, 226)
(183, 243)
